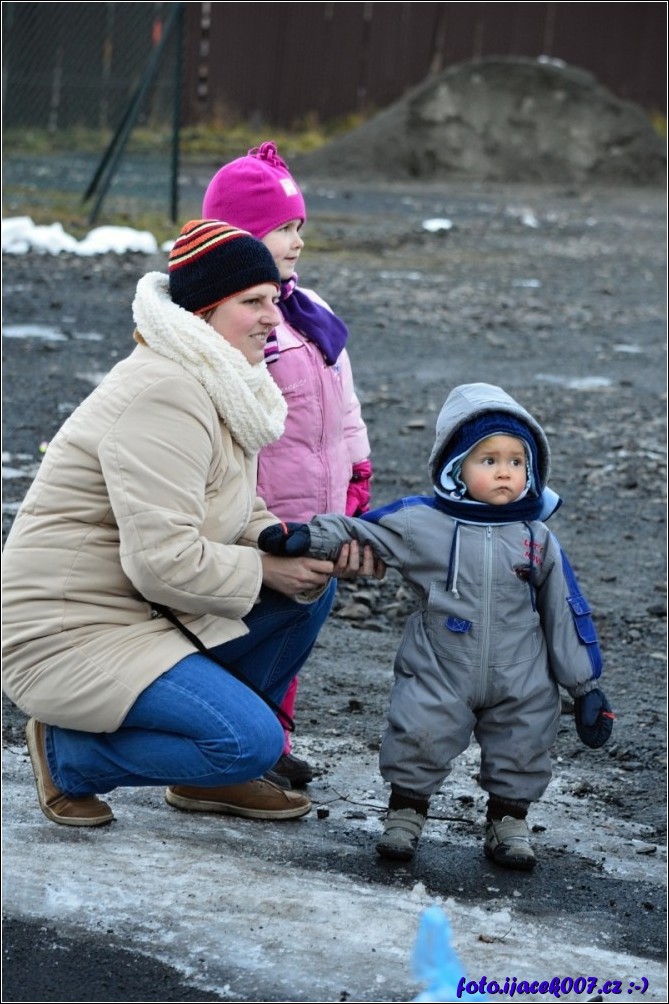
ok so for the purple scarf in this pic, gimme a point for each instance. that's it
(315, 322)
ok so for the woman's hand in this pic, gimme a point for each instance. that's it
(292, 576)
(352, 562)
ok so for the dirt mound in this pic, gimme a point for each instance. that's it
(502, 119)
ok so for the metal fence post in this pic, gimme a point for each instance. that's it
(107, 167)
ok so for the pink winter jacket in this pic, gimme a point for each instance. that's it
(307, 471)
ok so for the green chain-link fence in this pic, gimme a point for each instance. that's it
(88, 81)
(63, 70)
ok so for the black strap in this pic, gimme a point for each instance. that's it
(201, 647)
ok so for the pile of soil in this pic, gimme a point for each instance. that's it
(502, 119)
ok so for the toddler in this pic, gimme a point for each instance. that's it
(502, 622)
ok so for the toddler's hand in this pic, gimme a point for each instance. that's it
(285, 539)
(594, 718)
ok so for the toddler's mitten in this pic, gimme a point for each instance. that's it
(594, 718)
(287, 540)
(359, 489)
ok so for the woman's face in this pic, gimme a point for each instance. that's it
(246, 319)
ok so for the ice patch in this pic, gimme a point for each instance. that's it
(42, 331)
(576, 383)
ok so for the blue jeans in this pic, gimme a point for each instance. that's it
(196, 724)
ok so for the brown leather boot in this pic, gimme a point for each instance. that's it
(258, 799)
(60, 808)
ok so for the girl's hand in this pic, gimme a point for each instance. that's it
(292, 576)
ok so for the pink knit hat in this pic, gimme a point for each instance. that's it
(256, 192)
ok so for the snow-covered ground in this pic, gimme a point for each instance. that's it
(248, 910)
(20, 235)
(239, 908)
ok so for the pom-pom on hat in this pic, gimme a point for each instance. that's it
(257, 192)
(211, 261)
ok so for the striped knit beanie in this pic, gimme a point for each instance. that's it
(211, 261)
(257, 191)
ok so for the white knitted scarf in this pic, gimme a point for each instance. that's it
(245, 396)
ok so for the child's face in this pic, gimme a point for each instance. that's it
(495, 470)
(285, 245)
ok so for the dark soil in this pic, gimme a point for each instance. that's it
(557, 295)
(502, 119)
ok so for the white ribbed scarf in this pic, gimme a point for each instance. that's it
(245, 396)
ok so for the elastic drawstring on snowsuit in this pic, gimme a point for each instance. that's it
(530, 577)
(454, 562)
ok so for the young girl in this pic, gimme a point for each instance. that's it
(321, 462)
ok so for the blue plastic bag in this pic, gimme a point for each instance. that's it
(434, 961)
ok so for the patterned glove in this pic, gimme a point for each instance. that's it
(359, 492)
(594, 718)
(286, 540)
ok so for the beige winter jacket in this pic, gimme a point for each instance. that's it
(144, 495)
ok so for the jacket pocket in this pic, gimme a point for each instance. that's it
(458, 625)
(583, 622)
(451, 635)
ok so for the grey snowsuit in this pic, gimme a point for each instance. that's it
(501, 623)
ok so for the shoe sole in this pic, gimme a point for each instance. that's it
(519, 864)
(34, 755)
(225, 809)
(394, 853)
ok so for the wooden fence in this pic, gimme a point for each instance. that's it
(83, 64)
(283, 64)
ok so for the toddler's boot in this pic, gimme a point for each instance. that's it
(401, 833)
(507, 843)
(403, 826)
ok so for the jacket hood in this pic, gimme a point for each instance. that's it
(472, 400)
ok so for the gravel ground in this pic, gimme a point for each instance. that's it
(557, 295)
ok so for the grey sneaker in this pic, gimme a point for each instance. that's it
(507, 843)
(401, 833)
